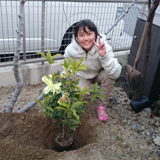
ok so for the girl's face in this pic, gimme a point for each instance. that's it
(86, 40)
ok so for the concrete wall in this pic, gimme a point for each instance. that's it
(33, 73)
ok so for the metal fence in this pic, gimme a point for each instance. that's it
(49, 25)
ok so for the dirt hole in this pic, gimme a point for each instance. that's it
(31, 130)
(81, 139)
(84, 135)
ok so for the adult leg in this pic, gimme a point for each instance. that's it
(106, 83)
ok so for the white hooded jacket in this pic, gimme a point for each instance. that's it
(94, 61)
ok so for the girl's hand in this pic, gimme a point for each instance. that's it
(101, 47)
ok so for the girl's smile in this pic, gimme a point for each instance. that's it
(86, 38)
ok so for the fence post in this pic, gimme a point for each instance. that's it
(43, 27)
(24, 41)
(142, 10)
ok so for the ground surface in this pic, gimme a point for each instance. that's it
(30, 136)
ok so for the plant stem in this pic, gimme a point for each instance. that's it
(50, 69)
(63, 130)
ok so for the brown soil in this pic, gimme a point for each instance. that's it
(29, 135)
(64, 142)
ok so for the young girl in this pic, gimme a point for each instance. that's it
(102, 68)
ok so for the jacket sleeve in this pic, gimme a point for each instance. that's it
(110, 64)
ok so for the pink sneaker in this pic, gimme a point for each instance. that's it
(84, 100)
(101, 111)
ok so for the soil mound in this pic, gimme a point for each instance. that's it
(30, 135)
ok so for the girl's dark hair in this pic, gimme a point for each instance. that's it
(85, 23)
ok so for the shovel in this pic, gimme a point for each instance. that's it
(134, 76)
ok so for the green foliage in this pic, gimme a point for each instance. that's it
(118, 138)
(119, 81)
(156, 108)
(48, 57)
(120, 115)
(63, 98)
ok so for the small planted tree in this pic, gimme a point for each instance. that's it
(63, 98)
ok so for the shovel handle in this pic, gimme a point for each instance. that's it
(145, 31)
(151, 10)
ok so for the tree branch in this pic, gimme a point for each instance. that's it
(16, 71)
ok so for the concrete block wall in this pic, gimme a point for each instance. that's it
(33, 73)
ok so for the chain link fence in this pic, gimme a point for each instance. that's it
(49, 25)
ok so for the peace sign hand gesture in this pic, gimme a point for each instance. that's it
(101, 47)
